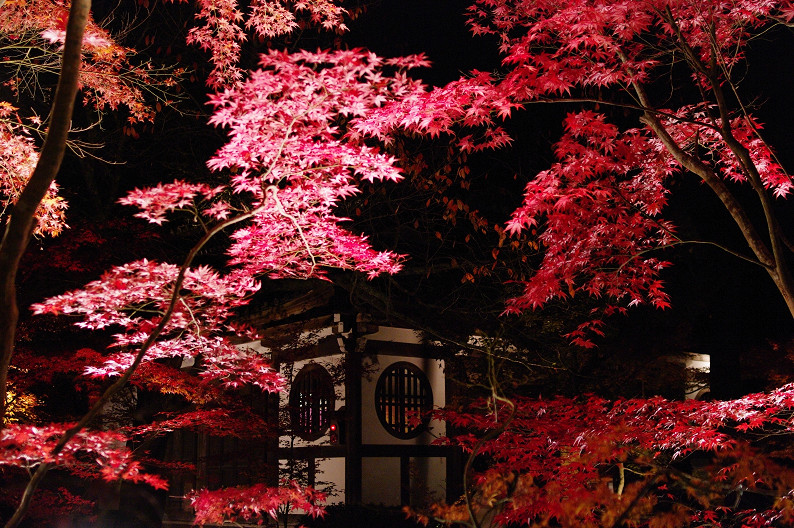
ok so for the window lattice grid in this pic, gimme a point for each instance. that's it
(403, 393)
(311, 402)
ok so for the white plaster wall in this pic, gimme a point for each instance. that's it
(382, 474)
(428, 480)
(332, 471)
(380, 481)
(701, 363)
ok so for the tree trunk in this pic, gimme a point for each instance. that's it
(20, 224)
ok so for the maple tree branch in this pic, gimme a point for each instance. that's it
(629, 106)
(689, 53)
(494, 386)
(772, 262)
(621, 479)
(780, 272)
(737, 148)
(44, 467)
(743, 108)
(644, 491)
(272, 192)
(193, 320)
(79, 148)
(703, 171)
(20, 224)
(771, 259)
(681, 242)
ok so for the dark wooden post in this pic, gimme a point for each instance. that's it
(405, 480)
(272, 415)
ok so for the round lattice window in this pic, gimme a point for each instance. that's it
(311, 402)
(402, 399)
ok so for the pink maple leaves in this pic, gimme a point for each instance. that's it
(472, 103)
(285, 119)
(291, 162)
(88, 453)
(164, 198)
(18, 158)
(290, 165)
(221, 29)
(254, 501)
(290, 155)
(597, 210)
(566, 460)
(136, 296)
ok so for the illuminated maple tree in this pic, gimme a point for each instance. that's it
(294, 151)
(653, 462)
(599, 215)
